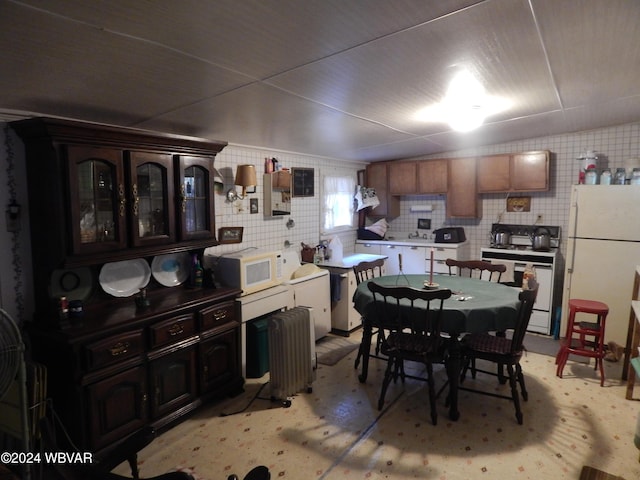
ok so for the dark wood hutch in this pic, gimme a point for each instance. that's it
(100, 194)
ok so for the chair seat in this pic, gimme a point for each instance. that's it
(588, 306)
(491, 346)
(411, 344)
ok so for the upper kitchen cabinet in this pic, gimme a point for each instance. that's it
(377, 177)
(520, 172)
(421, 177)
(195, 206)
(108, 193)
(402, 178)
(432, 176)
(462, 194)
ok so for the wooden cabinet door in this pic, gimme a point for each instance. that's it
(97, 201)
(117, 406)
(152, 210)
(219, 360)
(462, 195)
(194, 201)
(173, 381)
(402, 178)
(389, 207)
(494, 173)
(432, 176)
(530, 171)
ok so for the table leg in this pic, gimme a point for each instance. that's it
(453, 373)
(366, 347)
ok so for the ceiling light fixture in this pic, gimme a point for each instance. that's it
(465, 106)
(463, 103)
(245, 177)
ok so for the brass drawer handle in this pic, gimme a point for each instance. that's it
(176, 329)
(119, 348)
(220, 314)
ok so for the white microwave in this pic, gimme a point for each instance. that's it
(249, 270)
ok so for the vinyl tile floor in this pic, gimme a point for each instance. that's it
(337, 431)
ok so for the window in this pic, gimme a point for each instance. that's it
(337, 207)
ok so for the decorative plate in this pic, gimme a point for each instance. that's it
(74, 283)
(172, 269)
(126, 278)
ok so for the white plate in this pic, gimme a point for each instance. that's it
(126, 278)
(172, 269)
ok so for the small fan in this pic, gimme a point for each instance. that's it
(12, 370)
(11, 352)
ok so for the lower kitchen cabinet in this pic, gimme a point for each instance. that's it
(218, 360)
(173, 381)
(122, 368)
(116, 406)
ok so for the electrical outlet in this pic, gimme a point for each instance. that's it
(539, 218)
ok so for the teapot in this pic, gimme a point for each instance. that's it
(501, 237)
(541, 239)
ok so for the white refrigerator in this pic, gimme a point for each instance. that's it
(603, 250)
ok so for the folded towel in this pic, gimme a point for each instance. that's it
(335, 285)
(507, 277)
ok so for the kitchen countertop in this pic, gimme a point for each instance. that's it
(351, 260)
(413, 242)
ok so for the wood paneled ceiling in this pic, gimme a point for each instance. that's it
(336, 78)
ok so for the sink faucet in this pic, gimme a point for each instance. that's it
(414, 235)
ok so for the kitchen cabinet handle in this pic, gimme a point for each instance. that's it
(135, 198)
(220, 314)
(176, 329)
(119, 348)
(144, 397)
(123, 200)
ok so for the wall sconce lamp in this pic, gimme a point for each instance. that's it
(245, 177)
(12, 214)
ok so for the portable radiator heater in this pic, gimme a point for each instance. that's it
(292, 351)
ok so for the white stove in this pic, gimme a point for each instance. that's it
(516, 256)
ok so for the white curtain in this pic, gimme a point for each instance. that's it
(338, 202)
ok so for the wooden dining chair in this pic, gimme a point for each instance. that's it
(501, 351)
(485, 270)
(414, 317)
(366, 271)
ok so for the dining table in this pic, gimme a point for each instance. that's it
(474, 306)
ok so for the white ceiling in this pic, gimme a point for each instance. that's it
(336, 78)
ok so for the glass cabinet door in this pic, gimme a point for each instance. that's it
(195, 199)
(97, 199)
(152, 216)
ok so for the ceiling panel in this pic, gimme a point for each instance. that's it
(259, 112)
(505, 56)
(593, 48)
(322, 77)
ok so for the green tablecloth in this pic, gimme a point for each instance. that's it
(491, 306)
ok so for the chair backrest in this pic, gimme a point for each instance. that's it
(402, 307)
(527, 300)
(368, 270)
(486, 270)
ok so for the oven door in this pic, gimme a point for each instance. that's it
(544, 276)
(540, 321)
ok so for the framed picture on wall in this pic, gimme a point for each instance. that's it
(230, 234)
(302, 182)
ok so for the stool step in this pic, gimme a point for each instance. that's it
(589, 326)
